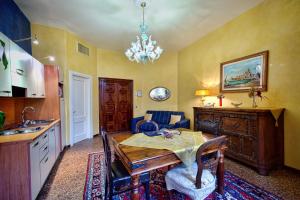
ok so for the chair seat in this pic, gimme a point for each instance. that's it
(183, 180)
(122, 179)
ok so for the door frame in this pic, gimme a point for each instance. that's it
(99, 103)
(89, 99)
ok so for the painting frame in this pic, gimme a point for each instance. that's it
(243, 82)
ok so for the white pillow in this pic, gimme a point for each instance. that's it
(148, 117)
(174, 119)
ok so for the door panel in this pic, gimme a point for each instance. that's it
(115, 103)
(79, 109)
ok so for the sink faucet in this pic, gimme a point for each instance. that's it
(24, 122)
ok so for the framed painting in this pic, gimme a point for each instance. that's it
(239, 75)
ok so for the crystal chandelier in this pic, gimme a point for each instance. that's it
(144, 48)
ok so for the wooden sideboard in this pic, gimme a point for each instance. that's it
(254, 137)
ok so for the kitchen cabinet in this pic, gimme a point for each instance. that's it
(35, 168)
(52, 147)
(35, 80)
(20, 62)
(5, 76)
(43, 154)
(57, 140)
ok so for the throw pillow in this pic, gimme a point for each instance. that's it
(174, 119)
(148, 117)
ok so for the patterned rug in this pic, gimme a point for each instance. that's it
(235, 187)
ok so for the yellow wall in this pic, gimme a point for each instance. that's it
(162, 72)
(62, 45)
(104, 63)
(274, 26)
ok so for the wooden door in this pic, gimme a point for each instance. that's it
(115, 103)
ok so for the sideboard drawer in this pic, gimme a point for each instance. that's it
(239, 124)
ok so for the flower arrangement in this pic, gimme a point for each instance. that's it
(255, 92)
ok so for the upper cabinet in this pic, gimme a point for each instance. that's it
(20, 63)
(19, 69)
(5, 76)
(35, 81)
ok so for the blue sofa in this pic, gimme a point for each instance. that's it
(162, 118)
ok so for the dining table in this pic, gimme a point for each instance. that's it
(138, 160)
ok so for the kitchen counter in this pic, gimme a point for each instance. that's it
(26, 137)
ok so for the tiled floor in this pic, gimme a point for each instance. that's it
(68, 176)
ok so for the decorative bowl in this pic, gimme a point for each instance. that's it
(236, 104)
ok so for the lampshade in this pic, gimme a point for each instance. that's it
(202, 92)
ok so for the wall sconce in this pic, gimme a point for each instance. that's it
(34, 40)
(202, 93)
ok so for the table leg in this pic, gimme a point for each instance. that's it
(135, 185)
(220, 173)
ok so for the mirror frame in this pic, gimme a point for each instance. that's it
(169, 92)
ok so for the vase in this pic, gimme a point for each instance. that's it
(254, 105)
(2, 119)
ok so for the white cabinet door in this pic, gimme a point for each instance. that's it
(52, 146)
(36, 80)
(57, 140)
(5, 76)
(31, 81)
(35, 168)
(20, 63)
(40, 79)
(62, 123)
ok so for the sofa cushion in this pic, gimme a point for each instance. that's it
(174, 119)
(148, 117)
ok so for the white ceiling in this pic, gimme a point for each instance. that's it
(113, 24)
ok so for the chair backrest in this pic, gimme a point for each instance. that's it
(140, 123)
(107, 154)
(213, 147)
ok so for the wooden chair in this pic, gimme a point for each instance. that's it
(140, 123)
(117, 179)
(200, 180)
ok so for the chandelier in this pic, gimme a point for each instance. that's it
(144, 48)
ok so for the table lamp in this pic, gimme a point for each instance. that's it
(202, 93)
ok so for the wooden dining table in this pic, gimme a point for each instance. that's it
(139, 159)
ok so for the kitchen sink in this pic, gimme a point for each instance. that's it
(21, 131)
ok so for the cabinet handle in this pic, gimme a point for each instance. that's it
(52, 130)
(45, 148)
(20, 71)
(6, 91)
(46, 160)
(37, 143)
(33, 94)
(42, 95)
(45, 136)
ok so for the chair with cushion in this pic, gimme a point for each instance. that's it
(144, 123)
(200, 180)
(164, 119)
(117, 179)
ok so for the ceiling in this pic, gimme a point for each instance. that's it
(113, 24)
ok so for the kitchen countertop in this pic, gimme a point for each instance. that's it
(26, 137)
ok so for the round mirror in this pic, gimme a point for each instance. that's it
(159, 94)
